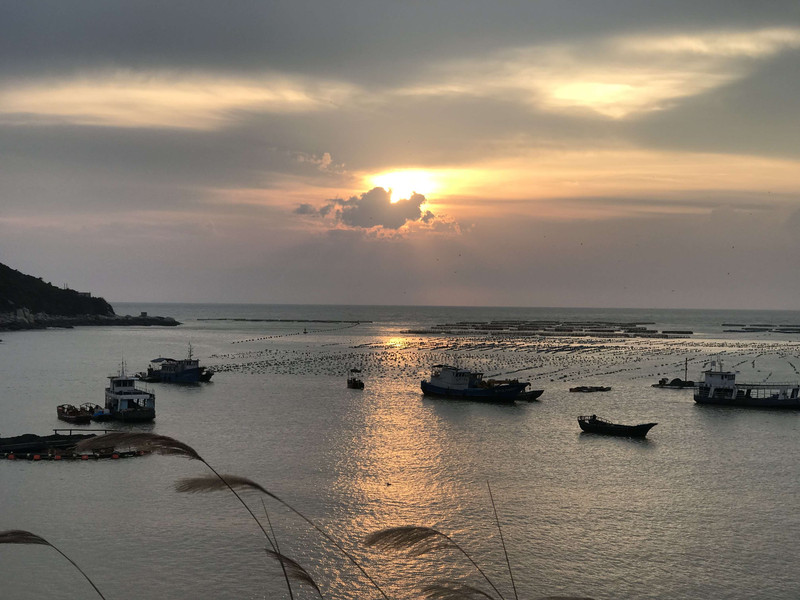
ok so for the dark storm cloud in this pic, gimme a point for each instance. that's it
(373, 209)
(326, 38)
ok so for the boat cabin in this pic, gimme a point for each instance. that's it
(455, 378)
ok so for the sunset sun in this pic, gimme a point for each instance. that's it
(405, 183)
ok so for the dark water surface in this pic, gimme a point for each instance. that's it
(703, 508)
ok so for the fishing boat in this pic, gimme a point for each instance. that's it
(171, 370)
(72, 414)
(586, 389)
(126, 402)
(720, 387)
(354, 382)
(594, 424)
(451, 382)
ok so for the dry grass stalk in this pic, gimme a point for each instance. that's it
(451, 590)
(294, 570)
(418, 541)
(194, 485)
(19, 536)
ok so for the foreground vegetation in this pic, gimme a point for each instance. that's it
(412, 539)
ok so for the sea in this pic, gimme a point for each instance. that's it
(704, 507)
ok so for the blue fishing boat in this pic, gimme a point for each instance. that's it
(462, 384)
(171, 370)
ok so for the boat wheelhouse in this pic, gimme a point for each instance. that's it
(452, 382)
(126, 402)
(720, 387)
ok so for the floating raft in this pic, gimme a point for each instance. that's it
(59, 446)
(71, 456)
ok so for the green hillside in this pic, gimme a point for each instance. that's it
(18, 290)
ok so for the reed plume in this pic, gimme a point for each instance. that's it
(417, 541)
(19, 536)
(144, 442)
(209, 484)
(294, 570)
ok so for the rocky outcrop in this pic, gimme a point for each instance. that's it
(24, 319)
(27, 302)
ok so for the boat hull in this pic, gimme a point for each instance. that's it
(505, 393)
(195, 375)
(614, 429)
(784, 403)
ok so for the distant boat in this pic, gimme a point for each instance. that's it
(171, 370)
(126, 402)
(677, 383)
(353, 381)
(720, 387)
(72, 414)
(451, 382)
(590, 388)
(594, 424)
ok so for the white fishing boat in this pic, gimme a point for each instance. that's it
(127, 402)
(720, 387)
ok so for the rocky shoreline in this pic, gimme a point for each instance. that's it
(23, 319)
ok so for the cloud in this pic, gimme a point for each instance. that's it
(613, 76)
(373, 209)
(162, 99)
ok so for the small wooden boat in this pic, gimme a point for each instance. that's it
(72, 414)
(353, 381)
(590, 388)
(594, 424)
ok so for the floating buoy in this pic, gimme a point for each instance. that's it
(115, 455)
(37, 457)
(84, 457)
(11, 457)
(57, 457)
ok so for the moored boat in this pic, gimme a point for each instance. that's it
(594, 424)
(72, 414)
(126, 402)
(451, 382)
(590, 388)
(171, 370)
(720, 387)
(354, 382)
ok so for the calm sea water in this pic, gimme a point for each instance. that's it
(703, 508)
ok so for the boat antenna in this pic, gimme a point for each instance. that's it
(502, 542)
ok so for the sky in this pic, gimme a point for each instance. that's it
(610, 153)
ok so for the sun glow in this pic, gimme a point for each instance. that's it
(405, 183)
